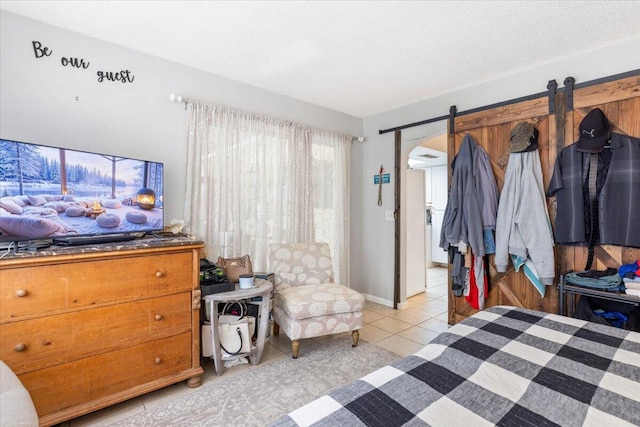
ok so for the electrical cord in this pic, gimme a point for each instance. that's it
(8, 251)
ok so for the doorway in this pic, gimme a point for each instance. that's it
(426, 197)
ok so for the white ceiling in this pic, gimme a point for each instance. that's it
(356, 57)
(424, 157)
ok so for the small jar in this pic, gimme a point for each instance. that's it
(246, 281)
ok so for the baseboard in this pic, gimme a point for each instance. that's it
(403, 305)
(378, 300)
(382, 301)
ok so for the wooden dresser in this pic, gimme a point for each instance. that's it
(87, 328)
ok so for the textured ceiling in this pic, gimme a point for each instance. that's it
(356, 57)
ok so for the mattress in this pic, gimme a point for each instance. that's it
(502, 366)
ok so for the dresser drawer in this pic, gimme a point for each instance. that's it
(49, 288)
(64, 386)
(30, 291)
(38, 343)
(123, 279)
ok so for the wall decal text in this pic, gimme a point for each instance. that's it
(74, 62)
(123, 76)
(39, 50)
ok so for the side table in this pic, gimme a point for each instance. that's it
(262, 288)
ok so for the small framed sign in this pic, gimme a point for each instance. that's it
(386, 178)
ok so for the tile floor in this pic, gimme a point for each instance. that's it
(399, 331)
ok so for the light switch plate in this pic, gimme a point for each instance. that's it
(388, 215)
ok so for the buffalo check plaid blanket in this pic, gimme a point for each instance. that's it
(502, 366)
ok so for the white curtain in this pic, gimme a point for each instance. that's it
(253, 181)
(331, 159)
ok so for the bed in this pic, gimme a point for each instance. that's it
(502, 366)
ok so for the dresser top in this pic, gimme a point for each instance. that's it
(161, 240)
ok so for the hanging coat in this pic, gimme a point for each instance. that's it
(618, 200)
(470, 214)
(523, 228)
(462, 224)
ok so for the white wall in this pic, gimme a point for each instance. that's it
(377, 245)
(38, 100)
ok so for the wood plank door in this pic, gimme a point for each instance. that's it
(620, 102)
(492, 130)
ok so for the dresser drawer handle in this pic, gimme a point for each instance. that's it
(21, 293)
(20, 347)
(158, 316)
(159, 274)
(158, 361)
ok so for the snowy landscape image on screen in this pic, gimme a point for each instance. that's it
(48, 191)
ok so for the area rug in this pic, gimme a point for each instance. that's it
(260, 396)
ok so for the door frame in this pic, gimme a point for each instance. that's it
(427, 131)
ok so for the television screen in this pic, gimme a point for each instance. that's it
(51, 192)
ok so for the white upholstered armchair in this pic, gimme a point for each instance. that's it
(307, 303)
(16, 406)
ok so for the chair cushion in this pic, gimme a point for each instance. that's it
(301, 302)
(310, 277)
(317, 326)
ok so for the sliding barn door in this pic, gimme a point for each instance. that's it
(557, 119)
(492, 130)
(620, 102)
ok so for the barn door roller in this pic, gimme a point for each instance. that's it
(552, 86)
(568, 83)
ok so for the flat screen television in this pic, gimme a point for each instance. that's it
(76, 197)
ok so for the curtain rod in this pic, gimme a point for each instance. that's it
(179, 98)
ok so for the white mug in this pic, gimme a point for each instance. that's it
(246, 281)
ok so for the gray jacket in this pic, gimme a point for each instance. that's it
(523, 227)
(472, 201)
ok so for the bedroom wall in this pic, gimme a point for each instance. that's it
(377, 255)
(38, 104)
(46, 103)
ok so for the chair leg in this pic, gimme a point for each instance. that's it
(276, 328)
(295, 346)
(355, 336)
